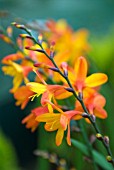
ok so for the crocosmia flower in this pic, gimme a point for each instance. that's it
(59, 121)
(79, 79)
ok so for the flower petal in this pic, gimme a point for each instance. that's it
(68, 135)
(81, 69)
(48, 117)
(96, 79)
(100, 112)
(59, 136)
(37, 87)
(99, 101)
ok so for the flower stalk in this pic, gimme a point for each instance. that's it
(107, 147)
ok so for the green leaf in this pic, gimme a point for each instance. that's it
(99, 158)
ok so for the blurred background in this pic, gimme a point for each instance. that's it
(95, 15)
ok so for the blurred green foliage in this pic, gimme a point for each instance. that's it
(8, 158)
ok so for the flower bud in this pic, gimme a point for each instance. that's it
(99, 136)
(25, 36)
(85, 115)
(34, 49)
(109, 158)
(80, 95)
(106, 139)
(69, 89)
(93, 117)
(9, 31)
(64, 67)
(40, 39)
(52, 48)
(18, 25)
(54, 69)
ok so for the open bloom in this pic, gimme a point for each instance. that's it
(94, 103)
(30, 121)
(22, 95)
(58, 121)
(48, 91)
(19, 73)
(79, 79)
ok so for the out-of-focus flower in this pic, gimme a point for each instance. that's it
(19, 73)
(74, 43)
(12, 57)
(22, 95)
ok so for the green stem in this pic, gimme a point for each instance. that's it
(89, 146)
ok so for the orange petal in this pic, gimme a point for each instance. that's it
(96, 79)
(100, 112)
(81, 69)
(100, 101)
(59, 136)
(63, 121)
(68, 135)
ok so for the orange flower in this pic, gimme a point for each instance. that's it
(94, 103)
(74, 43)
(79, 79)
(22, 95)
(58, 121)
(12, 57)
(30, 121)
(48, 91)
(19, 73)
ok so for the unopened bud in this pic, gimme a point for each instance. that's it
(109, 158)
(40, 39)
(93, 117)
(85, 115)
(18, 25)
(64, 67)
(54, 69)
(80, 95)
(99, 136)
(62, 162)
(106, 139)
(53, 158)
(34, 49)
(52, 49)
(69, 89)
(9, 31)
(25, 36)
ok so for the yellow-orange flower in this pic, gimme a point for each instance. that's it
(58, 121)
(30, 120)
(74, 43)
(79, 79)
(17, 71)
(22, 95)
(94, 103)
(48, 91)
